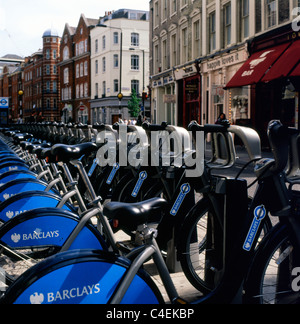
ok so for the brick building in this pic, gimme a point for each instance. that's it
(75, 71)
(41, 80)
(11, 81)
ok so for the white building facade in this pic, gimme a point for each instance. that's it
(119, 63)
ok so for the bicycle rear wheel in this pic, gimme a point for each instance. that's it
(81, 277)
(197, 251)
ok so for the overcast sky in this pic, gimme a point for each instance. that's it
(23, 22)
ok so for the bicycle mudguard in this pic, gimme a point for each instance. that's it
(48, 227)
(29, 200)
(11, 160)
(80, 277)
(15, 187)
(5, 167)
(14, 175)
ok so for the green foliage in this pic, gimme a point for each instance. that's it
(134, 105)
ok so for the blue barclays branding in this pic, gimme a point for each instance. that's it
(93, 167)
(114, 171)
(184, 190)
(142, 177)
(259, 214)
(11, 214)
(61, 296)
(37, 234)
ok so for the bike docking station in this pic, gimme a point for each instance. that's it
(169, 147)
(161, 192)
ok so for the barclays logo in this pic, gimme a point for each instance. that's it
(37, 234)
(64, 295)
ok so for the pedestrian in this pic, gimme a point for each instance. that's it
(40, 117)
(220, 119)
(20, 119)
(139, 121)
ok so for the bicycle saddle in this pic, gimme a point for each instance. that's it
(65, 153)
(132, 215)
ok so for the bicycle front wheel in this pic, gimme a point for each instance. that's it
(271, 279)
(200, 246)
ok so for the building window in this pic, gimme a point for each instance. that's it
(277, 12)
(48, 54)
(164, 55)
(116, 86)
(96, 67)
(258, 15)
(197, 40)
(116, 60)
(271, 13)
(173, 50)
(135, 39)
(227, 25)
(116, 38)
(96, 46)
(86, 68)
(77, 71)
(54, 54)
(165, 9)
(48, 69)
(77, 91)
(104, 64)
(173, 6)
(135, 62)
(103, 42)
(135, 85)
(184, 42)
(81, 69)
(96, 90)
(103, 89)
(86, 90)
(66, 53)
(212, 31)
(66, 76)
(54, 86)
(245, 18)
(81, 91)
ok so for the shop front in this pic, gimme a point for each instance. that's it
(272, 74)
(189, 94)
(163, 99)
(215, 72)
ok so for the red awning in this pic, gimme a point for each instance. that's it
(296, 71)
(285, 64)
(255, 68)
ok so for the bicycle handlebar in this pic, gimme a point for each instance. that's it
(194, 126)
(150, 127)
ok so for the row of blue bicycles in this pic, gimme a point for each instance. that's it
(65, 192)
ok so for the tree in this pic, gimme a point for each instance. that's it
(134, 104)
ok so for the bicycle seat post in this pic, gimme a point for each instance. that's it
(86, 180)
(73, 184)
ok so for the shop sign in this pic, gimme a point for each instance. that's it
(224, 61)
(169, 98)
(185, 72)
